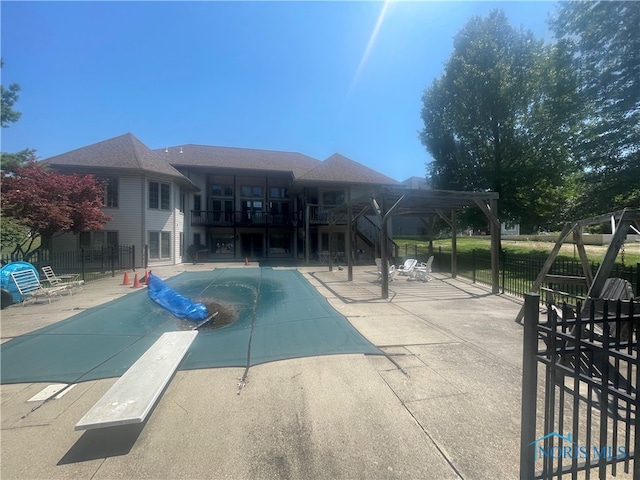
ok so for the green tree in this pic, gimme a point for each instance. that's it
(603, 39)
(9, 162)
(9, 98)
(13, 235)
(501, 118)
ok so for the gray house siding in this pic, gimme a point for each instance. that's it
(273, 193)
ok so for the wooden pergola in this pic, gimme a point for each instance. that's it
(427, 205)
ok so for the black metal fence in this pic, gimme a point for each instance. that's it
(518, 272)
(89, 263)
(580, 412)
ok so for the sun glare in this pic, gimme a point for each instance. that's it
(372, 40)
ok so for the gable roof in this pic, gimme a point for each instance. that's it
(237, 158)
(338, 168)
(125, 152)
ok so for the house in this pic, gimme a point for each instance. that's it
(191, 202)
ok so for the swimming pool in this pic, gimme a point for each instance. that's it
(279, 313)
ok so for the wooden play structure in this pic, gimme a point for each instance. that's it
(622, 222)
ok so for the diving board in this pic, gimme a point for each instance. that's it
(134, 394)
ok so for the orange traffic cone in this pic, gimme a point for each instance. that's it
(125, 280)
(246, 260)
(136, 282)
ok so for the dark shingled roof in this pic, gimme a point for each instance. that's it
(237, 158)
(125, 152)
(338, 168)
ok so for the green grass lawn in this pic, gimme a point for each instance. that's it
(595, 253)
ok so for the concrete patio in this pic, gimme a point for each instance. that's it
(443, 402)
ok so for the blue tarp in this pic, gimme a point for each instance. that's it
(7, 283)
(168, 298)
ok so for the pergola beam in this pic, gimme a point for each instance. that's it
(421, 204)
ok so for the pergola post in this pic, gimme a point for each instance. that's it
(384, 245)
(494, 227)
(495, 249)
(384, 255)
(454, 244)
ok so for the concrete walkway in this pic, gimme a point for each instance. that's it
(443, 403)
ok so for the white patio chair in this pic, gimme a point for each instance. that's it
(29, 286)
(69, 280)
(422, 271)
(392, 270)
(407, 267)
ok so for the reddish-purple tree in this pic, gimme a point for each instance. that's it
(47, 202)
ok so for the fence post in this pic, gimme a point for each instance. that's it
(133, 257)
(503, 258)
(113, 270)
(473, 264)
(82, 262)
(529, 385)
(145, 258)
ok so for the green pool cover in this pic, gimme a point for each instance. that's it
(279, 315)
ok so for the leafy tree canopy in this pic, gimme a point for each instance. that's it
(9, 162)
(9, 98)
(47, 202)
(603, 39)
(500, 118)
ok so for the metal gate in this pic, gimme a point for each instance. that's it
(580, 410)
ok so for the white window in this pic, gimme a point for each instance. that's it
(159, 245)
(98, 239)
(159, 195)
(110, 191)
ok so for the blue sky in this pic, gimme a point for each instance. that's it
(312, 77)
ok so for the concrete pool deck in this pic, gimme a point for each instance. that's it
(443, 403)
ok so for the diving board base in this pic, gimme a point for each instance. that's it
(206, 320)
(133, 396)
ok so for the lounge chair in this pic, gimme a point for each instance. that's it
(70, 280)
(392, 270)
(422, 271)
(29, 286)
(407, 267)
